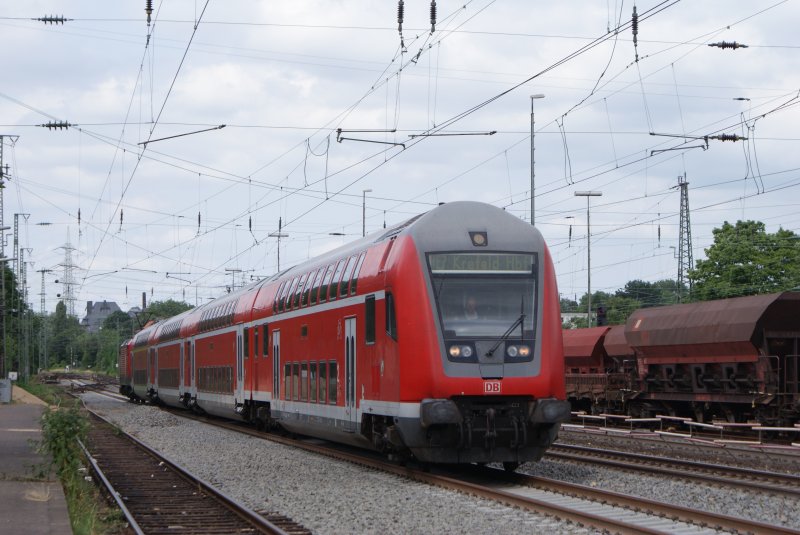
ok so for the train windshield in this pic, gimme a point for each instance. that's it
(484, 295)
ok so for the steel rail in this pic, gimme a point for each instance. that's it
(456, 481)
(745, 478)
(258, 522)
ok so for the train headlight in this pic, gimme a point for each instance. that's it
(518, 351)
(460, 351)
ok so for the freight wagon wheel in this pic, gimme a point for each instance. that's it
(510, 466)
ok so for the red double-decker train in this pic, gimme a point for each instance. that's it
(437, 339)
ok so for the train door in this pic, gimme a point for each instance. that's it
(186, 368)
(152, 369)
(276, 364)
(192, 371)
(254, 363)
(181, 366)
(239, 366)
(350, 371)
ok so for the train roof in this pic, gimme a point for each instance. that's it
(615, 343)
(435, 229)
(450, 227)
(583, 342)
(736, 320)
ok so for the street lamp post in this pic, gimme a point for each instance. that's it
(588, 194)
(364, 212)
(533, 162)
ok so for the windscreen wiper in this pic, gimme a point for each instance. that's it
(519, 321)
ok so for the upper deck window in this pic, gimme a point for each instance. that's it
(344, 287)
(337, 275)
(356, 272)
(323, 290)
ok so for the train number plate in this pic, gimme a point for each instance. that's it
(492, 387)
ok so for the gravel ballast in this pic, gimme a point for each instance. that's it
(325, 495)
(330, 496)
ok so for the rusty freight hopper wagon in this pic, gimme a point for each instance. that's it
(733, 358)
(596, 360)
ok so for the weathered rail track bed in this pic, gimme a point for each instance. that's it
(330, 496)
(325, 495)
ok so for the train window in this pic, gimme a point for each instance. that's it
(332, 382)
(391, 320)
(344, 286)
(304, 331)
(246, 342)
(307, 290)
(292, 287)
(323, 290)
(256, 347)
(312, 377)
(282, 298)
(296, 381)
(299, 291)
(277, 296)
(323, 381)
(293, 301)
(369, 319)
(315, 286)
(337, 275)
(265, 341)
(304, 381)
(287, 381)
(356, 272)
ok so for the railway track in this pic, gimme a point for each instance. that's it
(157, 496)
(596, 508)
(715, 474)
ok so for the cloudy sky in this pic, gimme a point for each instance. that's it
(185, 217)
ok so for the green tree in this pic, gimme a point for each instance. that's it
(167, 309)
(118, 321)
(746, 260)
(21, 326)
(651, 294)
(64, 340)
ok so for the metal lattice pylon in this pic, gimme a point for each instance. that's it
(685, 258)
(68, 295)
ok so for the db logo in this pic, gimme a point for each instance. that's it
(491, 387)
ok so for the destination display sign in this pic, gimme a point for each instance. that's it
(481, 262)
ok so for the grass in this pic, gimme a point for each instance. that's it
(47, 393)
(89, 512)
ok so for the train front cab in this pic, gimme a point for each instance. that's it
(488, 375)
